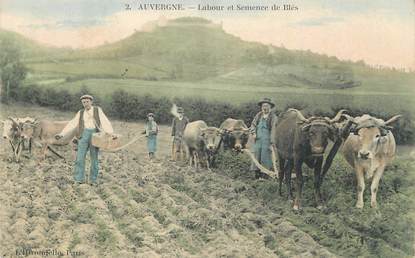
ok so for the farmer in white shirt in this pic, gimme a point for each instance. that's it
(89, 120)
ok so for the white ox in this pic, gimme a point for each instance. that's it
(12, 129)
(368, 149)
(201, 142)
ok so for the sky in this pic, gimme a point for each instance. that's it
(380, 32)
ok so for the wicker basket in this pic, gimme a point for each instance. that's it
(105, 141)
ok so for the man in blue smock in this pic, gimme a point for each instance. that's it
(261, 127)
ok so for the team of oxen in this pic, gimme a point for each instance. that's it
(366, 143)
(22, 133)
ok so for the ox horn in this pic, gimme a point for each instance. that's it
(393, 119)
(386, 127)
(13, 120)
(31, 120)
(350, 118)
(337, 117)
(299, 115)
(33, 123)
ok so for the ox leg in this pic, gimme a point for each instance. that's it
(190, 151)
(183, 152)
(281, 174)
(12, 145)
(44, 150)
(360, 187)
(30, 146)
(288, 169)
(196, 160)
(317, 181)
(191, 157)
(173, 152)
(208, 163)
(17, 151)
(299, 180)
(375, 184)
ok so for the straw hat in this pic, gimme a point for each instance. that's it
(266, 100)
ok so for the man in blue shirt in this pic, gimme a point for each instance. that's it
(261, 127)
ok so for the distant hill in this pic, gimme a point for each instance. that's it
(195, 49)
(30, 49)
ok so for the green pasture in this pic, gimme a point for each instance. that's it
(313, 99)
(254, 76)
(386, 92)
(95, 69)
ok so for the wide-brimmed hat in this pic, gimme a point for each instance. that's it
(266, 100)
(180, 110)
(150, 114)
(86, 96)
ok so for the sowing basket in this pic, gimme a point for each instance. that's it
(105, 141)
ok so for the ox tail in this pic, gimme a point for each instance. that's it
(173, 110)
(273, 174)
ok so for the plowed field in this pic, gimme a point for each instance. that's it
(165, 209)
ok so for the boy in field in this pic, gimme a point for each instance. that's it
(151, 131)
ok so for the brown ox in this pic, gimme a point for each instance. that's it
(368, 149)
(235, 134)
(44, 131)
(302, 140)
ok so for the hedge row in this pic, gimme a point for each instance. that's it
(131, 107)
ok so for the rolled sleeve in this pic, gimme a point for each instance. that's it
(72, 125)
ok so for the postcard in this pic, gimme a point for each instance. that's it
(207, 128)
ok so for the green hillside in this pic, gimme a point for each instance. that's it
(32, 51)
(194, 50)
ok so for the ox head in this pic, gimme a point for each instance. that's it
(211, 138)
(318, 130)
(11, 128)
(28, 128)
(371, 132)
(236, 137)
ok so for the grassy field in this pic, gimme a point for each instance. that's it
(152, 209)
(314, 99)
